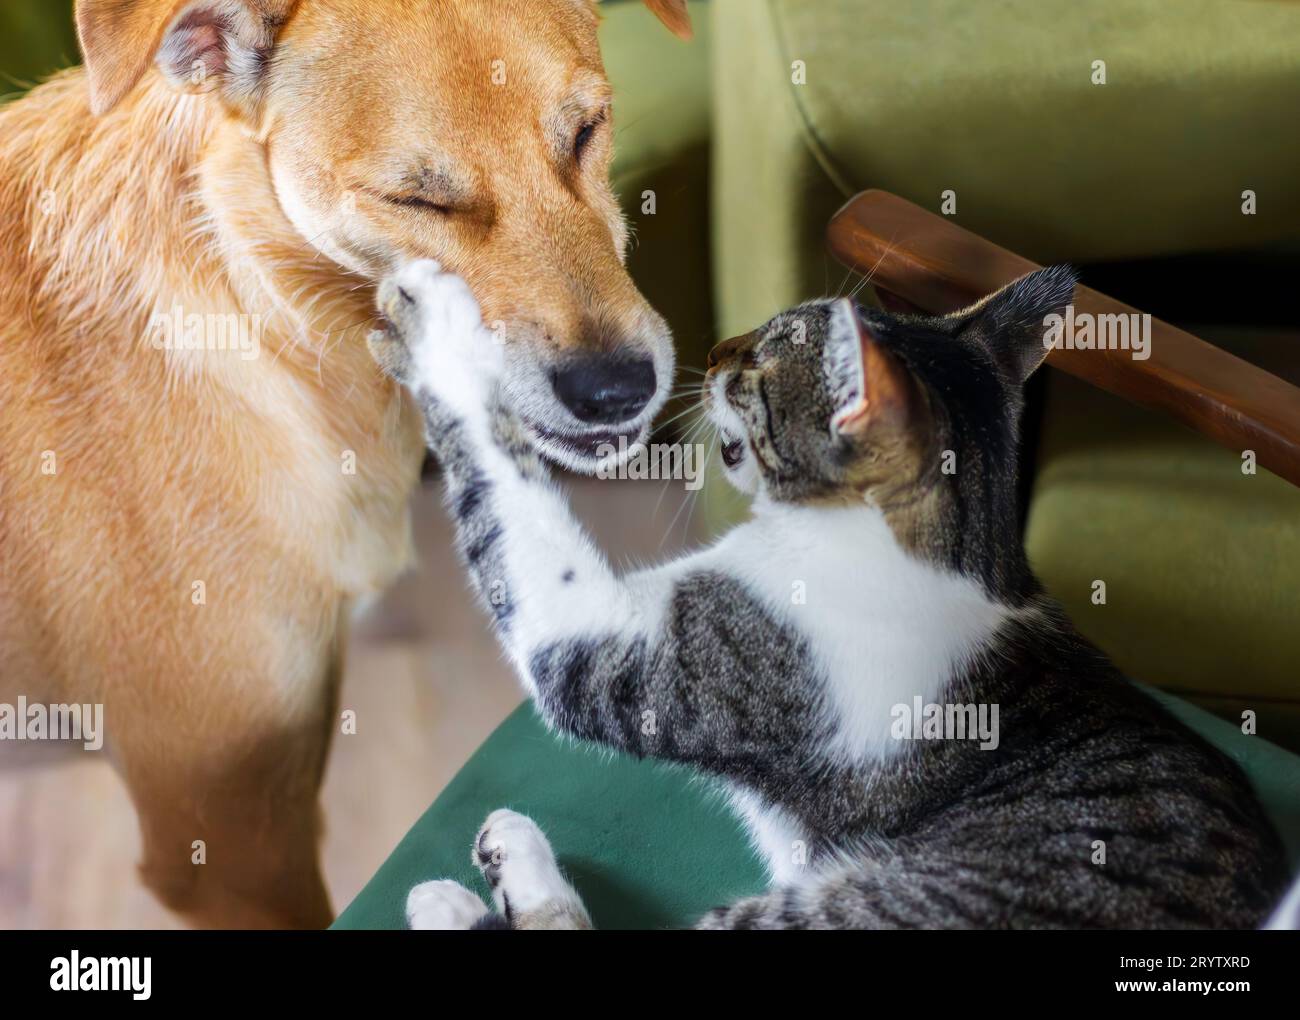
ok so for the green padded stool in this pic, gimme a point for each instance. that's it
(646, 845)
(649, 845)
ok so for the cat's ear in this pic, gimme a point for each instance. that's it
(1014, 322)
(870, 386)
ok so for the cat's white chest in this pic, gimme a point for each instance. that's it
(883, 627)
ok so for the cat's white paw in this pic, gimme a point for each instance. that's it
(519, 866)
(443, 905)
(450, 355)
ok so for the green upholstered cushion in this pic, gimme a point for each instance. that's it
(1201, 562)
(649, 846)
(994, 100)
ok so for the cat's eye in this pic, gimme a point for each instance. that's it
(733, 451)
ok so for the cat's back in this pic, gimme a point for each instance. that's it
(1112, 810)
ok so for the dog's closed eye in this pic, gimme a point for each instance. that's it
(416, 202)
(586, 133)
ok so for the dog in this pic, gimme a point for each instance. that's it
(201, 469)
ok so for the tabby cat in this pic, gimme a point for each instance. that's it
(878, 597)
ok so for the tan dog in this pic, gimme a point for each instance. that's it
(201, 469)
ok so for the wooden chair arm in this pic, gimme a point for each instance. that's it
(937, 266)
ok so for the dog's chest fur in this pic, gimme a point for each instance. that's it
(338, 468)
(281, 482)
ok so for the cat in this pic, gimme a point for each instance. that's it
(881, 571)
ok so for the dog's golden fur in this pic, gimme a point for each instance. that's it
(130, 475)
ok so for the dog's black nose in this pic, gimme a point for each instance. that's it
(606, 391)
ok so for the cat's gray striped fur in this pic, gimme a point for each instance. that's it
(1095, 809)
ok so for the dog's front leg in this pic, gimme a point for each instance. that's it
(227, 791)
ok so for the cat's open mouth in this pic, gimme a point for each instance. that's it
(732, 446)
(733, 450)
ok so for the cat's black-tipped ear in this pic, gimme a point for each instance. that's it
(1014, 322)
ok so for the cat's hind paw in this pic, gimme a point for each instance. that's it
(520, 868)
(443, 905)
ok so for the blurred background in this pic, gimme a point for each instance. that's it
(37, 37)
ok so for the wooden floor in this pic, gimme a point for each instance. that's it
(427, 683)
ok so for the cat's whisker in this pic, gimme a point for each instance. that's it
(693, 409)
(703, 425)
(695, 496)
(686, 441)
(694, 429)
(848, 275)
(869, 276)
(672, 524)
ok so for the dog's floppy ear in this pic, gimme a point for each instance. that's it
(673, 13)
(198, 45)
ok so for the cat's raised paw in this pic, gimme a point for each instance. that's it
(435, 341)
(443, 905)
